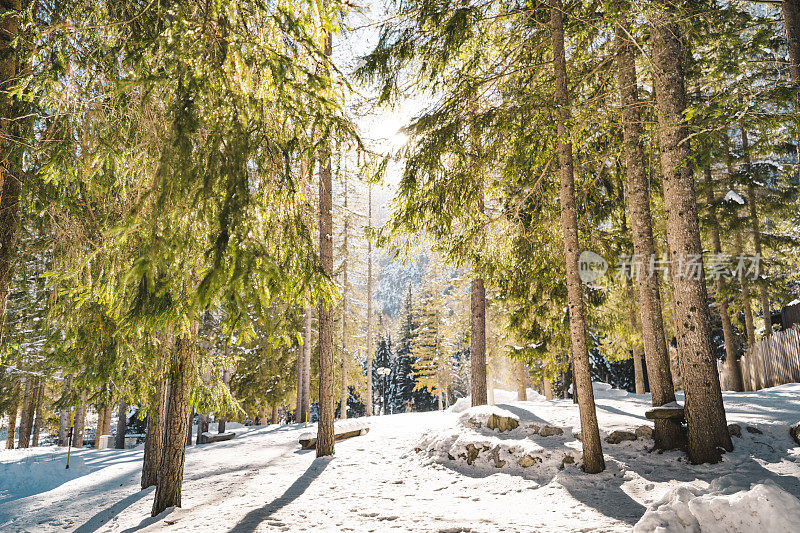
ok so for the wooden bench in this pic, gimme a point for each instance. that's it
(673, 412)
(207, 438)
(309, 443)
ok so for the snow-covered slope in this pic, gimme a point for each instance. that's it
(261, 481)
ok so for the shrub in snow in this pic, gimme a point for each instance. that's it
(728, 505)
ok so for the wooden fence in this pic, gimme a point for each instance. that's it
(772, 361)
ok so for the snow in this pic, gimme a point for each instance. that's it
(725, 505)
(262, 481)
(733, 196)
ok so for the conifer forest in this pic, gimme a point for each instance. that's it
(400, 265)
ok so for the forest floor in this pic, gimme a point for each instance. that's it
(393, 478)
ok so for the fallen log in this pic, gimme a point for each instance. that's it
(309, 442)
(207, 437)
(670, 411)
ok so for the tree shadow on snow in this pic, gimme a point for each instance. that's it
(101, 518)
(254, 518)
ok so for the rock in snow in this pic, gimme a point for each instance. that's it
(728, 504)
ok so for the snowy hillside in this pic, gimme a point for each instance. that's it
(399, 477)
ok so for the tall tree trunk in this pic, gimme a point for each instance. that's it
(593, 461)
(26, 418)
(176, 428)
(748, 312)
(305, 404)
(345, 355)
(522, 381)
(12, 417)
(202, 427)
(667, 434)
(101, 412)
(79, 423)
(156, 418)
(325, 431)
(370, 350)
(732, 369)
(791, 22)
(478, 334)
(10, 177)
(37, 424)
(122, 425)
(274, 415)
(751, 204)
(226, 380)
(192, 412)
(64, 414)
(548, 389)
(705, 413)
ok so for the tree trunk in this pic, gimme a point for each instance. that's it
(732, 369)
(548, 389)
(478, 342)
(305, 404)
(370, 350)
(202, 427)
(37, 424)
(12, 418)
(101, 413)
(122, 425)
(325, 431)
(156, 418)
(345, 252)
(791, 22)
(64, 415)
(705, 413)
(274, 415)
(666, 433)
(79, 423)
(26, 418)
(748, 312)
(176, 428)
(751, 204)
(522, 381)
(593, 461)
(222, 417)
(192, 412)
(10, 177)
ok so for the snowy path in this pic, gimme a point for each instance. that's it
(261, 481)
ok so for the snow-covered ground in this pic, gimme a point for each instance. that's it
(393, 478)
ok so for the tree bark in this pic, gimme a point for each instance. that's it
(325, 431)
(222, 417)
(751, 204)
(274, 415)
(122, 425)
(202, 427)
(791, 22)
(478, 342)
(593, 461)
(177, 429)
(345, 252)
(80, 422)
(26, 418)
(12, 418)
(10, 177)
(156, 418)
(733, 370)
(37, 424)
(704, 410)
(748, 312)
(305, 404)
(370, 350)
(666, 433)
(548, 389)
(192, 412)
(64, 415)
(101, 412)
(522, 381)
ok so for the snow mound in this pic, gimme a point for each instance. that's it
(500, 396)
(37, 472)
(532, 448)
(728, 505)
